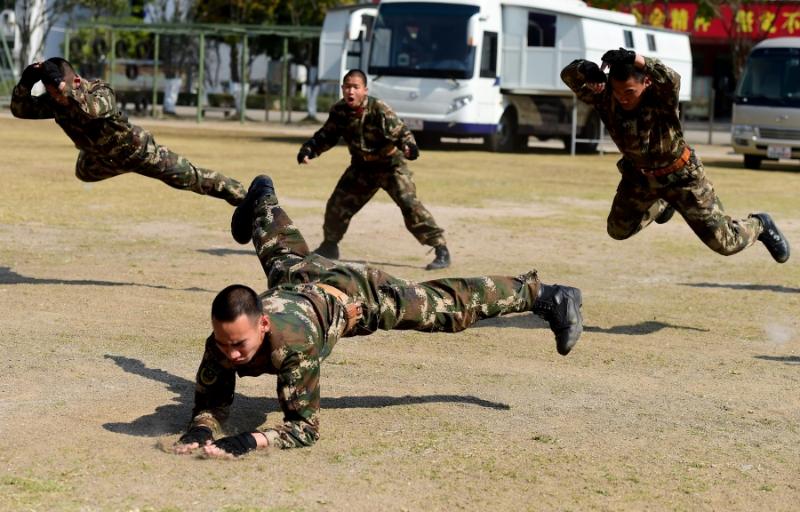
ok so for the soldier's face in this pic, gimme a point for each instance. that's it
(56, 94)
(628, 93)
(354, 91)
(240, 339)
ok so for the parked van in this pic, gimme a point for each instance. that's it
(491, 69)
(766, 109)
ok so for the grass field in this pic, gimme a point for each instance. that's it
(681, 395)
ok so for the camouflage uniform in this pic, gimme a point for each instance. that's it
(650, 137)
(109, 145)
(307, 321)
(375, 137)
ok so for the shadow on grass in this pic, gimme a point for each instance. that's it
(8, 276)
(529, 321)
(222, 251)
(299, 140)
(248, 413)
(766, 166)
(746, 286)
(781, 359)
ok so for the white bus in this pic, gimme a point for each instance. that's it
(766, 110)
(491, 69)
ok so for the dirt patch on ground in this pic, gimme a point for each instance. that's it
(682, 394)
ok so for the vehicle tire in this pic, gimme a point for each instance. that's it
(427, 140)
(121, 49)
(99, 47)
(753, 161)
(506, 139)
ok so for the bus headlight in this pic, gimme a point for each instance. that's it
(459, 103)
(743, 134)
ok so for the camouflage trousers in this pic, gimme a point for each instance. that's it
(640, 200)
(357, 186)
(448, 305)
(159, 162)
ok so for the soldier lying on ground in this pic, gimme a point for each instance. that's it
(638, 103)
(109, 145)
(312, 302)
(379, 145)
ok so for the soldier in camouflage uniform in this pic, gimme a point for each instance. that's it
(638, 103)
(379, 145)
(109, 145)
(288, 330)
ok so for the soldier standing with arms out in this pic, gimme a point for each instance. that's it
(379, 145)
(109, 145)
(288, 330)
(638, 103)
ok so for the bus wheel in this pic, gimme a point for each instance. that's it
(752, 161)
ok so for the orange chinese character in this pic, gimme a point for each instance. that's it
(744, 21)
(657, 17)
(701, 24)
(792, 23)
(767, 22)
(679, 19)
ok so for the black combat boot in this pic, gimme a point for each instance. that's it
(561, 307)
(442, 259)
(665, 215)
(328, 250)
(771, 236)
(244, 214)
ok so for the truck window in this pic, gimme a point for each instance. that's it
(489, 55)
(541, 29)
(628, 38)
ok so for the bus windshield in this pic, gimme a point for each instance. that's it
(422, 40)
(771, 78)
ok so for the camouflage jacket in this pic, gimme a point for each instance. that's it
(371, 132)
(91, 119)
(306, 322)
(650, 136)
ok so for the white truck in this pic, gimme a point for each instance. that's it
(766, 109)
(491, 68)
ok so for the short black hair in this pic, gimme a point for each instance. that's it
(63, 65)
(622, 72)
(358, 73)
(236, 300)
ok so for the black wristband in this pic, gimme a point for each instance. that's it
(197, 434)
(237, 445)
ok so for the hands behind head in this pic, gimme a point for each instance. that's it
(594, 76)
(51, 74)
(621, 56)
(31, 74)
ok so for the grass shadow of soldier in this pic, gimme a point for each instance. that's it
(249, 413)
(746, 286)
(8, 276)
(530, 321)
(223, 251)
(766, 165)
(780, 359)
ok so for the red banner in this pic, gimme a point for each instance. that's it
(756, 21)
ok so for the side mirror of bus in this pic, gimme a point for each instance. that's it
(473, 29)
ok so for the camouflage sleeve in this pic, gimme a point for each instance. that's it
(25, 106)
(96, 100)
(576, 81)
(666, 82)
(395, 129)
(213, 391)
(326, 137)
(298, 395)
